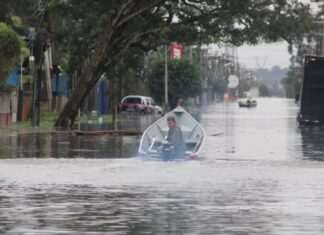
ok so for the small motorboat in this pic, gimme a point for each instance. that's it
(155, 135)
(248, 103)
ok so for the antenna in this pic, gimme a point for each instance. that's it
(264, 61)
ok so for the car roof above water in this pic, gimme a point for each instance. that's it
(137, 96)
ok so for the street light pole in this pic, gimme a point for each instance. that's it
(166, 98)
(39, 46)
(37, 95)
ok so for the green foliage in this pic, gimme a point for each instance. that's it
(292, 82)
(93, 35)
(244, 86)
(183, 79)
(78, 26)
(219, 86)
(48, 116)
(10, 44)
(264, 90)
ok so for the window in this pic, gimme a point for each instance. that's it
(133, 100)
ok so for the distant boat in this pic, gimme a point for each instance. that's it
(155, 135)
(248, 103)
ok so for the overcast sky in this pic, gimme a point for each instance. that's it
(264, 56)
(268, 55)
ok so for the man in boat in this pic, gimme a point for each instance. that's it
(249, 100)
(175, 146)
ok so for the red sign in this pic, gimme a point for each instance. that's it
(176, 51)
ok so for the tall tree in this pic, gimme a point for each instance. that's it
(184, 79)
(310, 43)
(110, 29)
(10, 44)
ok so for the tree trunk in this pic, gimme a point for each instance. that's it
(86, 83)
(113, 101)
(87, 79)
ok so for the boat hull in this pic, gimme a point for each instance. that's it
(247, 104)
(154, 135)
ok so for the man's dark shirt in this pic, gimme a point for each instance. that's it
(175, 138)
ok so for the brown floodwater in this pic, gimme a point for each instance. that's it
(258, 173)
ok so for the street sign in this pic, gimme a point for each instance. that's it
(233, 81)
(176, 51)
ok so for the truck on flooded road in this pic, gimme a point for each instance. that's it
(311, 103)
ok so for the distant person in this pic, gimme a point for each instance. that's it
(226, 97)
(175, 145)
(296, 98)
(179, 102)
(176, 101)
(249, 100)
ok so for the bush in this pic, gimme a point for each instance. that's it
(183, 79)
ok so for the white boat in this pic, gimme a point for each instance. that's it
(193, 133)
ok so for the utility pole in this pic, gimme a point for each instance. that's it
(20, 92)
(39, 46)
(166, 98)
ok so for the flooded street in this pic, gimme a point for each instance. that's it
(258, 173)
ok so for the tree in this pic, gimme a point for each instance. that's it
(219, 86)
(10, 44)
(110, 29)
(310, 43)
(124, 78)
(10, 10)
(264, 90)
(183, 80)
(292, 82)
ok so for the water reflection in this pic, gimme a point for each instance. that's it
(267, 132)
(68, 145)
(45, 145)
(135, 211)
(126, 121)
(25, 145)
(312, 142)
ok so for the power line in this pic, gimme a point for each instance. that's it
(264, 61)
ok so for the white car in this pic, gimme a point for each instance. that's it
(141, 104)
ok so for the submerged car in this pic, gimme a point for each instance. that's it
(141, 104)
